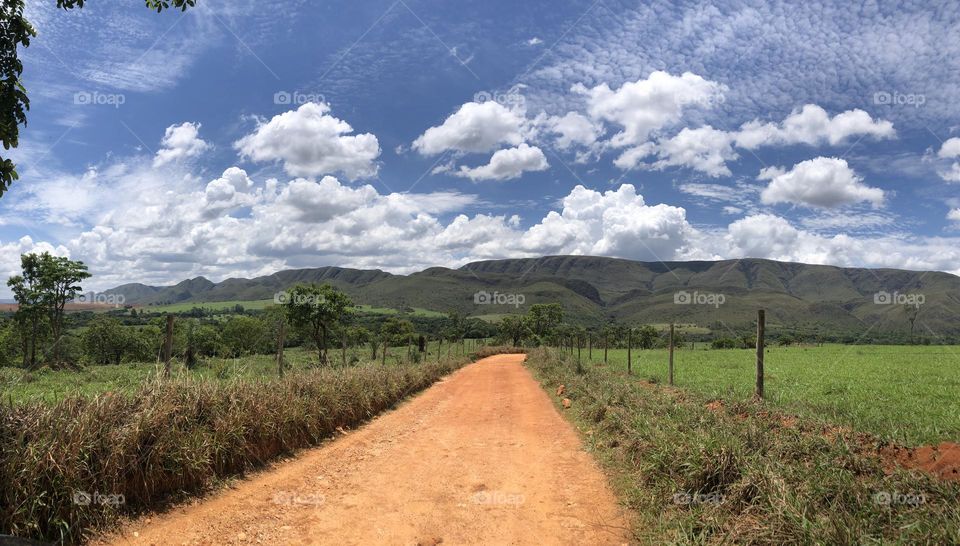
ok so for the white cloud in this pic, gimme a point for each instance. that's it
(508, 164)
(180, 142)
(954, 215)
(822, 182)
(705, 149)
(574, 129)
(812, 125)
(474, 127)
(534, 41)
(646, 106)
(950, 148)
(310, 142)
(10, 254)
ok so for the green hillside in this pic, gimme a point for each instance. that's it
(806, 298)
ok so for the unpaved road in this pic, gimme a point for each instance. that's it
(482, 457)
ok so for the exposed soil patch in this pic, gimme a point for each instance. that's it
(941, 460)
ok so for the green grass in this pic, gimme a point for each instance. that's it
(907, 394)
(752, 479)
(259, 305)
(51, 386)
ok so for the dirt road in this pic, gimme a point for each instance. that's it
(482, 457)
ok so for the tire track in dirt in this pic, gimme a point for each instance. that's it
(482, 457)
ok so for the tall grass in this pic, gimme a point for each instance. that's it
(64, 466)
(742, 475)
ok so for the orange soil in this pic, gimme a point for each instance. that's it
(482, 457)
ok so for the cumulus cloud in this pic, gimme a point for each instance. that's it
(646, 106)
(822, 182)
(954, 215)
(705, 149)
(950, 150)
(475, 127)
(180, 142)
(311, 142)
(574, 129)
(508, 164)
(812, 125)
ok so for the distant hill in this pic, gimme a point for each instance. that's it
(725, 293)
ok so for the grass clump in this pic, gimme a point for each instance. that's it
(80, 464)
(695, 474)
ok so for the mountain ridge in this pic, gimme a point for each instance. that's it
(591, 289)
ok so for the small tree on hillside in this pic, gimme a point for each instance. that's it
(514, 328)
(317, 309)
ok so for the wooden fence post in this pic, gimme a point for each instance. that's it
(606, 343)
(168, 347)
(629, 351)
(671, 353)
(280, 340)
(761, 324)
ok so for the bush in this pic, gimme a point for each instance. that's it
(725, 343)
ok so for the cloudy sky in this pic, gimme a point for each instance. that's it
(248, 136)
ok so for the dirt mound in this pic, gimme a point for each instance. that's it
(942, 460)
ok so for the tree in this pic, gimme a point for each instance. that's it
(61, 279)
(393, 332)
(14, 103)
(646, 336)
(317, 309)
(244, 335)
(514, 328)
(543, 318)
(105, 341)
(28, 292)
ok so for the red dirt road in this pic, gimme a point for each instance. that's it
(482, 457)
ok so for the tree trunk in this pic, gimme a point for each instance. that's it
(168, 347)
(280, 340)
(386, 347)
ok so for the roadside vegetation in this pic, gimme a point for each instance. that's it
(693, 474)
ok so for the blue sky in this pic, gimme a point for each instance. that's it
(245, 137)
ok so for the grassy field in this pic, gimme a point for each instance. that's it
(258, 305)
(909, 394)
(694, 475)
(18, 385)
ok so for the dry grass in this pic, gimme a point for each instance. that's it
(172, 439)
